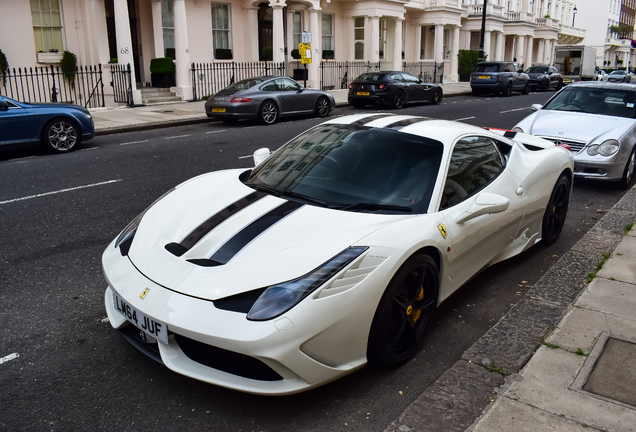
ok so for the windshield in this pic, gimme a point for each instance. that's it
(537, 69)
(606, 101)
(245, 84)
(618, 72)
(370, 77)
(487, 67)
(341, 166)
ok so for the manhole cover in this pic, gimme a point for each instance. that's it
(614, 374)
(167, 111)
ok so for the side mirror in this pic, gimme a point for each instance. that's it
(260, 155)
(301, 89)
(536, 107)
(4, 106)
(485, 203)
(419, 81)
(520, 70)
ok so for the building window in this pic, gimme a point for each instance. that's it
(167, 24)
(47, 25)
(327, 32)
(358, 37)
(422, 43)
(383, 32)
(221, 36)
(446, 50)
(297, 28)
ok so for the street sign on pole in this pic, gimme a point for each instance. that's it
(305, 52)
(306, 38)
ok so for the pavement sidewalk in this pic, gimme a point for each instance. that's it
(126, 119)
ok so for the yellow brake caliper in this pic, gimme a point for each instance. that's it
(417, 313)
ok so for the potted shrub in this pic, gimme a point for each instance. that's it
(68, 64)
(162, 72)
(299, 73)
(223, 54)
(328, 54)
(466, 61)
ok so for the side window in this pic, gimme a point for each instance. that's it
(285, 84)
(397, 77)
(474, 163)
(512, 68)
(269, 86)
(409, 78)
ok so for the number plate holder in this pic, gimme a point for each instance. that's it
(152, 327)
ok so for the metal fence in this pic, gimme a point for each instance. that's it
(122, 83)
(209, 78)
(50, 84)
(338, 75)
(426, 71)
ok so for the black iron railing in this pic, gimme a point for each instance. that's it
(85, 87)
(427, 71)
(122, 83)
(338, 75)
(209, 78)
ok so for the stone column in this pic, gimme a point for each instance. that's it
(467, 36)
(438, 53)
(182, 51)
(278, 36)
(519, 50)
(124, 43)
(454, 62)
(351, 55)
(397, 45)
(551, 53)
(289, 27)
(500, 47)
(418, 42)
(528, 61)
(374, 35)
(157, 28)
(541, 51)
(487, 45)
(251, 33)
(316, 51)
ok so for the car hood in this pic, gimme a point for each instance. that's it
(536, 75)
(54, 105)
(575, 126)
(292, 247)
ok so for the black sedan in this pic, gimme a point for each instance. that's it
(544, 78)
(393, 88)
(266, 99)
(58, 127)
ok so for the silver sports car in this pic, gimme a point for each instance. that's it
(267, 98)
(598, 121)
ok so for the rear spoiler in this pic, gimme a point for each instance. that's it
(526, 139)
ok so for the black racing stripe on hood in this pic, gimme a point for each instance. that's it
(406, 122)
(195, 236)
(234, 245)
(369, 119)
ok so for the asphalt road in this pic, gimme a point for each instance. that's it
(74, 372)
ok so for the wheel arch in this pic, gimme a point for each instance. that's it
(55, 117)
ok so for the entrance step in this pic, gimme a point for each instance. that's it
(150, 95)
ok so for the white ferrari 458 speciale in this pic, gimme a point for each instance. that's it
(333, 251)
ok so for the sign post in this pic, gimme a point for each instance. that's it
(305, 55)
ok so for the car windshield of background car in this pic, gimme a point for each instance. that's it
(345, 165)
(370, 77)
(487, 67)
(604, 101)
(245, 84)
(537, 69)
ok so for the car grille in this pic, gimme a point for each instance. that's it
(576, 146)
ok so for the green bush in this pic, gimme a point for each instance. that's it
(223, 54)
(69, 67)
(4, 65)
(113, 60)
(162, 65)
(295, 54)
(466, 61)
(328, 54)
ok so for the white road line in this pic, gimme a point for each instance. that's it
(9, 357)
(250, 127)
(465, 118)
(512, 110)
(134, 142)
(178, 136)
(86, 149)
(59, 191)
(245, 157)
(217, 131)
(24, 158)
(105, 320)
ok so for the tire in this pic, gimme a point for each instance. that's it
(61, 135)
(628, 172)
(545, 86)
(556, 211)
(398, 100)
(508, 91)
(398, 328)
(322, 106)
(526, 89)
(437, 97)
(268, 113)
(559, 85)
(476, 92)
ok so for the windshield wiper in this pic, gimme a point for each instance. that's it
(373, 207)
(283, 193)
(265, 188)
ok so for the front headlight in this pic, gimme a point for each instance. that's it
(594, 149)
(278, 299)
(126, 237)
(609, 147)
(517, 129)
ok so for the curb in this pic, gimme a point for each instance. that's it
(466, 391)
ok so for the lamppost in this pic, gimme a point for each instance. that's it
(574, 14)
(483, 31)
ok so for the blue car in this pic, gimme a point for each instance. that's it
(58, 127)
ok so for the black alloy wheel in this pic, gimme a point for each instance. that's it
(61, 135)
(268, 113)
(526, 89)
(322, 106)
(508, 91)
(628, 172)
(404, 312)
(437, 97)
(556, 211)
(398, 100)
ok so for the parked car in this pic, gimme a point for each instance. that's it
(58, 127)
(597, 120)
(601, 75)
(266, 99)
(544, 78)
(621, 76)
(499, 77)
(333, 251)
(392, 88)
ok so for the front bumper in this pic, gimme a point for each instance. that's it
(317, 341)
(600, 167)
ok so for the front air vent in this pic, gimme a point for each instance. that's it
(176, 249)
(205, 262)
(576, 146)
(242, 302)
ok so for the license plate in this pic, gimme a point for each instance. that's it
(218, 109)
(363, 93)
(566, 80)
(143, 322)
(484, 76)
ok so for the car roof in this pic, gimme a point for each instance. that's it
(604, 85)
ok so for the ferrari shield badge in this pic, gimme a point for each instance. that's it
(442, 229)
(144, 293)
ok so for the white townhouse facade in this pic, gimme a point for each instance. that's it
(216, 31)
